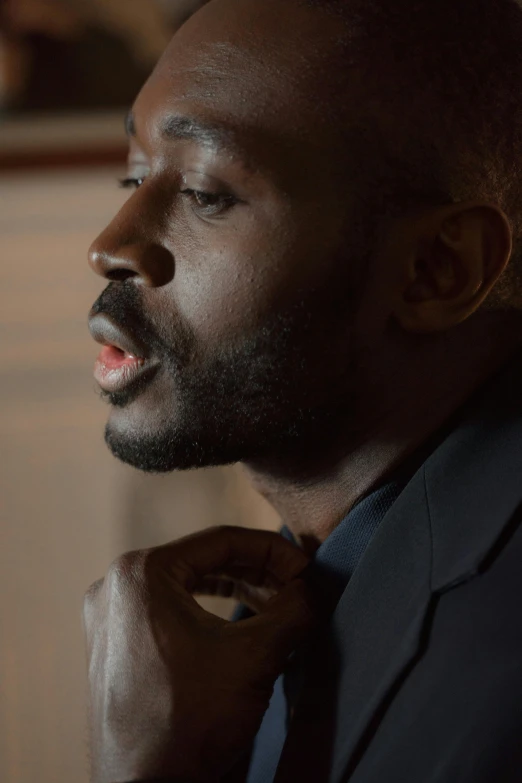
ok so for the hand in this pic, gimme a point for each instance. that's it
(174, 690)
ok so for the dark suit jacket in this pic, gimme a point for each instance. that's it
(418, 678)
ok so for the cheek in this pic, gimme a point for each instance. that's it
(231, 277)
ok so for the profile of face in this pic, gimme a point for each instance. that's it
(233, 267)
(247, 277)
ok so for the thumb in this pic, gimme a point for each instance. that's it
(286, 619)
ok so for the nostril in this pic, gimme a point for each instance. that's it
(152, 263)
(119, 275)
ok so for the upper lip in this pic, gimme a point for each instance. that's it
(106, 332)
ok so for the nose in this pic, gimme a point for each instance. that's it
(148, 262)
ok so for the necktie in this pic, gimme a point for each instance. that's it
(312, 692)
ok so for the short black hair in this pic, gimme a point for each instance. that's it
(445, 77)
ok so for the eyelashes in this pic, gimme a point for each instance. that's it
(204, 202)
(131, 182)
(209, 203)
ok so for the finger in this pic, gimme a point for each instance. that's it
(286, 619)
(202, 553)
(89, 602)
(253, 597)
(240, 572)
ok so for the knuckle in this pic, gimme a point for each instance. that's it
(151, 561)
(125, 568)
(156, 554)
(89, 600)
(92, 591)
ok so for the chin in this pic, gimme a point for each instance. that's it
(140, 428)
(180, 425)
(163, 449)
(147, 453)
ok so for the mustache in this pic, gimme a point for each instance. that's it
(123, 303)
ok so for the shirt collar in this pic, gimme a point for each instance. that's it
(336, 559)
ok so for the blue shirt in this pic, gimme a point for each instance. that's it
(333, 564)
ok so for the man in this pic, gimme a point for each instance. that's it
(318, 276)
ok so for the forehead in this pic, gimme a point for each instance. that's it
(257, 65)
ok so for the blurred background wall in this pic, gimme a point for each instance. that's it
(67, 508)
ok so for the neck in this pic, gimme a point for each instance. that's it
(397, 407)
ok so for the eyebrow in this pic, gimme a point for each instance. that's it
(179, 127)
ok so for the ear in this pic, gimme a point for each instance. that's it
(455, 256)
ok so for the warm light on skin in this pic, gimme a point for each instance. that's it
(242, 216)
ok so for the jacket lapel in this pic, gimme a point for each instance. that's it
(475, 486)
(436, 536)
(372, 637)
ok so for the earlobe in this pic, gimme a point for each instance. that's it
(453, 268)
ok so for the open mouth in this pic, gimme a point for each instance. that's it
(119, 362)
(114, 368)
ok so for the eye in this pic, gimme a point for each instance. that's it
(210, 204)
(131, 182)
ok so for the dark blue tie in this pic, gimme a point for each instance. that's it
(333, 565)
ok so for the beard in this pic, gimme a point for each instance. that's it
(258, 395)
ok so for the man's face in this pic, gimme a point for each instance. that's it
(236, 265)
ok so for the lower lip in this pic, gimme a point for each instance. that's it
(114, 369)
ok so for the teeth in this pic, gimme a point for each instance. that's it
(135, 358)
(128, 355)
